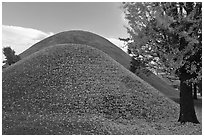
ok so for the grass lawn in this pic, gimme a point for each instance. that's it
(78, 89)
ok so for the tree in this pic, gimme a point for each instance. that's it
(167, 36)
(11, 58)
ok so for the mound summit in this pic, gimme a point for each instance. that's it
(82, 37)
(78, 89)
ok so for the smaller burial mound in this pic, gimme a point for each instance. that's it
(78, 89)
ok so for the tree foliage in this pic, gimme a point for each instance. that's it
(11, 58)
(166, 36)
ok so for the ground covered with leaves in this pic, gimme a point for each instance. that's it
(77, 89)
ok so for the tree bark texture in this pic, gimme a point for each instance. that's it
(187, 111)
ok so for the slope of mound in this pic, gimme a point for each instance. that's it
(77, 89)
(160, 85)
(96, 41)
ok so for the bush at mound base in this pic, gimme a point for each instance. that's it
(71, 80)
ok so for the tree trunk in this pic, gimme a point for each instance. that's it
(195, 91)
(187, 111)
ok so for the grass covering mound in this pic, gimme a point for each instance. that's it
(96, 41)
(77, 89)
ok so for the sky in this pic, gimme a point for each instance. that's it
(24, 24)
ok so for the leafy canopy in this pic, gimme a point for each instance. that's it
(166, 36)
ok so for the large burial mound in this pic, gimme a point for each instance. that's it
(96, 41)
(78, 89)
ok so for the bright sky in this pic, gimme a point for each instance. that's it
(27, 23)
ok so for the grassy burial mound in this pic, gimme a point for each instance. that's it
(78, 89)
(96, 41)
